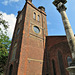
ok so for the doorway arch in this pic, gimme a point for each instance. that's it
(10, 69)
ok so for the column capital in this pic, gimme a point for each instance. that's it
(61, 7)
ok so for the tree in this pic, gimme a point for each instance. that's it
(4, 43)
(3, 22)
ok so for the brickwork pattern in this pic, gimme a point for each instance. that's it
(53, 45)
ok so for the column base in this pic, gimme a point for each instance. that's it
(72, 64)
(71, 69)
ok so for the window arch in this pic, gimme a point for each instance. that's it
(10, 70)
(69, 60)
(34, 15)
(20, 18)
(38, 18)
(14, 51)
(61, 64)
(54, 69)
(18, 31)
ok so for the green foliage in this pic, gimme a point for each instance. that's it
(3, 22)
(4, 44)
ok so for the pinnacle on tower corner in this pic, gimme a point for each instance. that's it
(41, 8)
(29, 0)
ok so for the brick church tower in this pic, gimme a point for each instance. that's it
(28, 43)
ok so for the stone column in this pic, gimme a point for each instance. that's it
(69, 33)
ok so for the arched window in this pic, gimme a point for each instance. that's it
(69, 60)
(38, 18)
(18, 31)
(34, 15)
(44, 18)
(61, 64)
(10, 70)
(14, 51)
(54, 69)
(20, 18)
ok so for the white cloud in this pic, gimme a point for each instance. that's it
(48, 23)
(13, 0)
(5, 2)
(11, 18)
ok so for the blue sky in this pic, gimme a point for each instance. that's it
(9, 9)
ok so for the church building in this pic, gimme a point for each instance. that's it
(32, 51)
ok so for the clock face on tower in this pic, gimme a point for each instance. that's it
(36, 29)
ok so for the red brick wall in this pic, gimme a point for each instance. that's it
(32, 47)
(53, 45)
(18, 39)
(30, 58)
